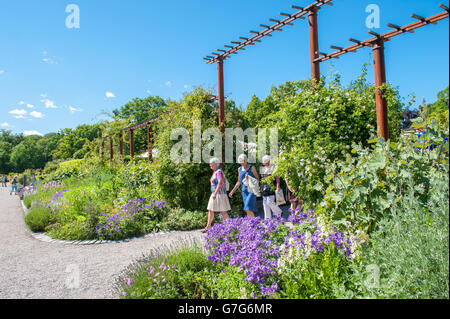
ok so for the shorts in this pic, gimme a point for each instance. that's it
(14, 189)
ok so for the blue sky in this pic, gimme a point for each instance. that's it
(52, 77)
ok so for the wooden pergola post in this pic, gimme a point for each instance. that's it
(380, 80)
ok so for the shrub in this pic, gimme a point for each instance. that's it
(408, 255)
(231, 284)
(39, 218)
(364, 189)
(182, 219)
(180, 273)
(318, 124)
(74, 230)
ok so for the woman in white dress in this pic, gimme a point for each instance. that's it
(218, 202)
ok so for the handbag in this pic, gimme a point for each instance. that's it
(280, 197)
(227, 184)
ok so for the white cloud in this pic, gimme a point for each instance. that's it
(4, 125)
(37, 115)
(30, 106)
(21, 103)
(110, 95)
(73, 109)
(186, 86)
(148, 92)
(169, 84)
(29, 133)
(49, 104)
(49, 60)
(18, 114)
(43, 95)
(2, 72)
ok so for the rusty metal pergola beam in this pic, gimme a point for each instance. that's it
(267, 31)
(142, 124)
(385, 36)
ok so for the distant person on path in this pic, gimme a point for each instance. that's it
(269, 203)
(14, 185)
(218, 202)
(249, 198)
(4, 181)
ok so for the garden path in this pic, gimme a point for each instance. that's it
(33, 269)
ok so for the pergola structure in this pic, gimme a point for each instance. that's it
(376, 42)
(147, 123)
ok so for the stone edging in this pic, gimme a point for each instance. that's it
(47, 239)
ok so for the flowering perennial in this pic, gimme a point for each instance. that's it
(258, 247)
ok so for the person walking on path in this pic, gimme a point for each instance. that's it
(14, 185)
(4, 181)
(249, 198)
(269, 203)
(218, 202)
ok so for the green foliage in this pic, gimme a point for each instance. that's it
(28, 154)
(231, 284)
(64, 170)
(179, 274)
(182, 219)
(438, 111)
(39, 218)
(408, 255)
(314, 277)
(364, 189)
(73, 230)
(186, 184)
(318, 124)
(136, 174)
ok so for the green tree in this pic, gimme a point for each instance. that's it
(28, 154)
(5, 152)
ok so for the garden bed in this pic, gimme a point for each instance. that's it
(74, 211)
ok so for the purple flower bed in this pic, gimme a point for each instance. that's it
(255, 245)
(110, 224)
(29, 189)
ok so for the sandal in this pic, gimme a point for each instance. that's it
(205, 230)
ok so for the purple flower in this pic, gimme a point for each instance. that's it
(128, 281)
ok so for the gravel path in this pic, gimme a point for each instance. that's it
(34, 269)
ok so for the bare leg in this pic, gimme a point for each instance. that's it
(293, 206)
(210, 219)
(225, 215)
(300, 204)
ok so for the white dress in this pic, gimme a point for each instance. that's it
(221, 203)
